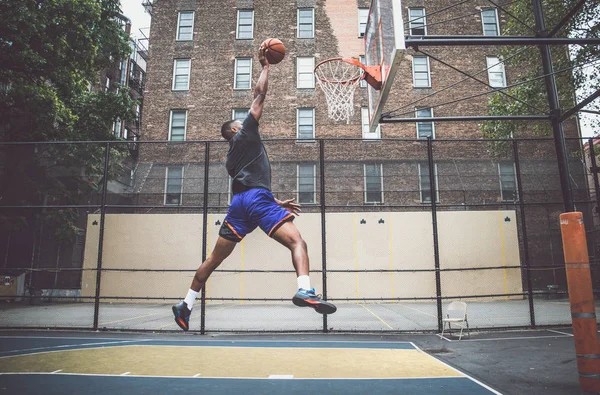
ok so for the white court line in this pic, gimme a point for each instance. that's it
(514, 338)
(125, 374)
(56, 371)
(443, 337)
(53, 348)
(237, 378)
(562, 333)
(197, 375)
(456, 370)
(281, 376)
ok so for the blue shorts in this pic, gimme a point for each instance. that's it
(252, 208)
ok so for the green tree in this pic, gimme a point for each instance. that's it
(51, 53)
(579, 72)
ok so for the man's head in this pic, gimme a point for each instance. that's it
(230, 128)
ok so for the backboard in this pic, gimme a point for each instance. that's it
(384, 42)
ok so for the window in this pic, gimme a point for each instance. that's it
(363, 82)
(508, 181)
(307, 191)
(306, 22)
(117, 128)
(185, 26)
(174, 186)
(425, 129)
(123, 70)
(126, 133)
(107, 87)
(306, 123)
(417, 21)
(365, 120)
(245, 24)
(496, 75)
(374, 183)
(421, 72)
(239, 114)
(424, 183)
(363, 17)
(243, 68)
(489, 19)
(305, 72)
(178, 125)
(181, 74)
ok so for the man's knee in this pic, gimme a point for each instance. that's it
(298, 242)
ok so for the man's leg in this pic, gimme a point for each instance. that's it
(288, 235)
(182, 310)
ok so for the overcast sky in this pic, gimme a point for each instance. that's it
(133, 10)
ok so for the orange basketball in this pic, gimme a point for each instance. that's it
(274, 50)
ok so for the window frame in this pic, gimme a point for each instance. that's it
(189, 74)
(436, 181)
(314, 183)
(302, 139)
(363, 82)
(421, 122)
(233, 110)
(171, 113)
(414, 73)
(235, 75)
(423, 19)
(365, 134)
(381, 195)
(167, 184)
(497, 22)
(312, 32)
(361, 33)
(496, 64)
(178, 32)
(298, 73)
(514, 174)
(237, 25)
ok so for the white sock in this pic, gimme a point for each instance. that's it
(190, 298)
(304, 282)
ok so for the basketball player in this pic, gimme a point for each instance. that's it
(253, 205)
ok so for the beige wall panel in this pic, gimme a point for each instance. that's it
(385, 241)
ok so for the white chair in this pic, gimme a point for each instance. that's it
(456, 313)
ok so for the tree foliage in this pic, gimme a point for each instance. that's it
(578, 72)
(51, 53)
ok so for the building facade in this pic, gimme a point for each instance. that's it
(203, 68)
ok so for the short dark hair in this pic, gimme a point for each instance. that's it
(226, 129)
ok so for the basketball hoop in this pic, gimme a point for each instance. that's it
(338, 78)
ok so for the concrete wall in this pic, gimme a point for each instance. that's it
(355, 241)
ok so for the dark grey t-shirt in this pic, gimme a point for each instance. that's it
(247, 161)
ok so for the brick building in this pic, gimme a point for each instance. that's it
(202, 71)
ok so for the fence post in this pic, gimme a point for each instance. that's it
(323, 233)
(594, 171)
(204, 233)
(101, 236)
(436, 245)
(524, 232)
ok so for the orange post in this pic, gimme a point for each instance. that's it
(581, 297)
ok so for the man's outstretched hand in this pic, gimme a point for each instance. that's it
(261, 56)
(290, 206)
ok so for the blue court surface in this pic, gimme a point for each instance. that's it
(90, 364)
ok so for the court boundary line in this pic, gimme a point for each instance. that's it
(465, 377)
(461, 372)
(83, 347)
(557, 334)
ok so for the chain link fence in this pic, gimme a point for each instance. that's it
(109, 235)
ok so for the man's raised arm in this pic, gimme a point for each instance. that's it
(260, 91)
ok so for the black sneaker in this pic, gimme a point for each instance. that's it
(182, 315)
(308, 298)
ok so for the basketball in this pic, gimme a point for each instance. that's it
(274, 50)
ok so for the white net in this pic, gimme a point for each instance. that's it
(338, 79)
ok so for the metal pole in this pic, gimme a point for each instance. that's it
(524, 233)
(594, 171)
(436, 245)
(323, 233)
(557, 127)
(101, 236)
(455, 41)
(204, 233)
